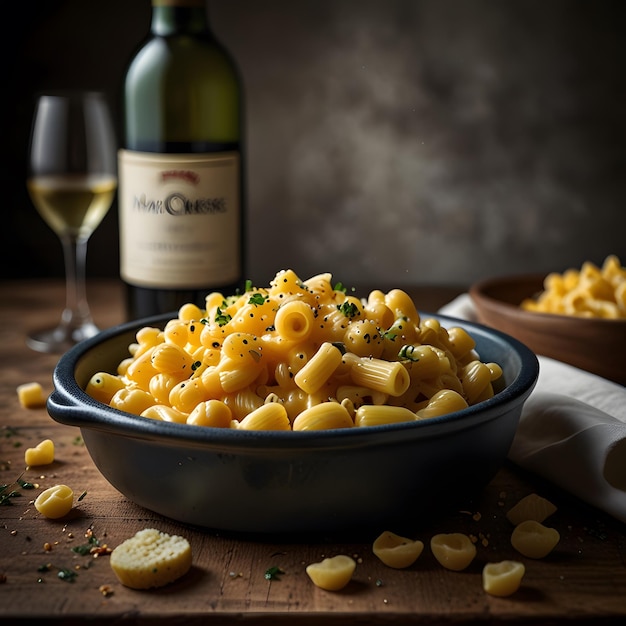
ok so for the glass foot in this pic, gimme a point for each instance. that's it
(61, 338)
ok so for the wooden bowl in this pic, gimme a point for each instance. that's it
(592, 344)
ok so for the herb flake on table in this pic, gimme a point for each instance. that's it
(273, 573)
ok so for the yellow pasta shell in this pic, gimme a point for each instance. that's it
(323, 416)
(397, 551)
(377, 415)
(165, 413)
(187, 394)
(102, 386)
(189, 312)
(270, 416)
(140, 370)
(170, 358)
(211, 413)
(132, 400)
(441, 403)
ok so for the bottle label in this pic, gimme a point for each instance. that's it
(180, 219)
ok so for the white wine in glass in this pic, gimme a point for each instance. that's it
(72, 182)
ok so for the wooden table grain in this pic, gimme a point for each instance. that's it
(582, 581)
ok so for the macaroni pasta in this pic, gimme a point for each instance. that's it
(589, 292)
(298, 355)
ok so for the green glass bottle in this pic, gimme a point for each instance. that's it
(181, 191)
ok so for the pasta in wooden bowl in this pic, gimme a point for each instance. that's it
(296, 408)
(578, 317)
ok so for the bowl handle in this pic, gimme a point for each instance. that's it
(62, 410)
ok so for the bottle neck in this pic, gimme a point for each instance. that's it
(173, 17)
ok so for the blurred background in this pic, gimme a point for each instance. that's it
(388, 141)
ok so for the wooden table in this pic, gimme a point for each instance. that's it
(583, 580)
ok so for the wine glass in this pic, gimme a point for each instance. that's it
(72, 182)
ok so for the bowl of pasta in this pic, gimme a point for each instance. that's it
(296, 407)
(578, 316)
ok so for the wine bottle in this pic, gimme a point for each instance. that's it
(181, 200)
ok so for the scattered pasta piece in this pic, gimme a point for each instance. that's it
(534, 540)
(455, 551)
(322, 357)
(31, 395)
(503, 578)
(396, 551)
(589, 292)
(531, 507)
(151, 558)
(41, 454)
(55, 502)
(332, 574)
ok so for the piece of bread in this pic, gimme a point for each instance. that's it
(151, 558)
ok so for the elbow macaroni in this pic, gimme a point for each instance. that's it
(298, 355)
(589, 292)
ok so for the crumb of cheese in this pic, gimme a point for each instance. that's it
(151, 558)
(31, 395)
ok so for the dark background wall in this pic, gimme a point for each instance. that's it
(388, 140)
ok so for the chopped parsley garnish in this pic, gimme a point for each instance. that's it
(342, 288)
(67, 575)
(248, 286)
(5, 498)
(6, 494)
(406, 352)
(258, 299)
(9, 432)
(349, 309)
(85, 548)
(222, 318)
(273, 573)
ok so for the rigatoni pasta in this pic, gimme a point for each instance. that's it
(298, 355)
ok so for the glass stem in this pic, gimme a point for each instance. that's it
(76, 311)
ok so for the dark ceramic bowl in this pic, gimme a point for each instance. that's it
(282, 482)
(592, 344)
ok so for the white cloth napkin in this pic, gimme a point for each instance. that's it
(572, 430)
